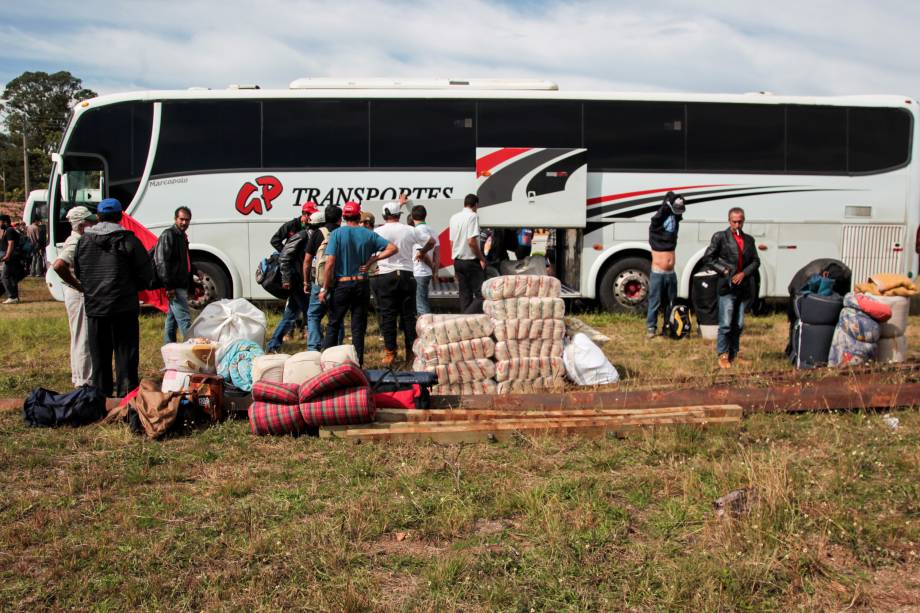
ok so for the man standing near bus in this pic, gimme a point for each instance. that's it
(469, 263)
(662, 238)
(174, 269)
(325, 222)
(350, 250)
(11, 272)
(733, 255)
(394, 284)
(426, 263)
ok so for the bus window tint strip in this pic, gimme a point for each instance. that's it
(315, 133)
(423, 133)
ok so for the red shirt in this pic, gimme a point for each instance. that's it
(739, 240)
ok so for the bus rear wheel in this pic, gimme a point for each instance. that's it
(624, 287)
(215, 284)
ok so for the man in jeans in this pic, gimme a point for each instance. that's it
(324, 222)
(394, 285)
(174, 268)
(469, 263)
(350, 250)
(662, 238)
(426, 263)
(733, 255)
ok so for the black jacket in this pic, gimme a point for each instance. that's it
(171, 259)
(660, 239)
(112, 266)
(291, 259)
(286, 231)
(722, 255)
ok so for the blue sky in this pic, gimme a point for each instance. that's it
(788, 47)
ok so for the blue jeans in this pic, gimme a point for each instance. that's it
(315, 314)
(662, 290)
(297, 305)
(731, 323)
(422, 286)
(177, 317)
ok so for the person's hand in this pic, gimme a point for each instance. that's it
(322, 295)
(419, 257)
(737, 278)
(286, 285)
(170, 293)
(363, 267)
(482, 262)
(306, 288)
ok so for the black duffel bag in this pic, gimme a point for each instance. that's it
(268, 275)
(387, 382)
(46, 408)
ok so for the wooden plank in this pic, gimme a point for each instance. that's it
(439, 415)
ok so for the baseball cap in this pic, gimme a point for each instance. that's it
(109, 205)
(367, 216)
(392, 208)
(309, 207)
(351, 209)
(80, 213)
(319, 217)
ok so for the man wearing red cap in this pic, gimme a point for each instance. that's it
(291, 237)
(350, 250)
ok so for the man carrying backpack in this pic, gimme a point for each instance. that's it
(174, 269)
(295, 307)
(112, 266)
(314, 260)
(10, 256)
(662, 238)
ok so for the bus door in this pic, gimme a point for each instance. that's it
(531, 187)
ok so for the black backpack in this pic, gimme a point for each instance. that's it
(268, 275)
(44, 407)
(678, 324)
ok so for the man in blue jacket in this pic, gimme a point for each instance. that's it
(662, 238)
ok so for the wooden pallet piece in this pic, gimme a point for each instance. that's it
(441, 415)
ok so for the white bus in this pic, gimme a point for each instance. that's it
(817, 177)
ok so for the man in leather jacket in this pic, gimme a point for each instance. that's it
(174, 269)
(733, 255)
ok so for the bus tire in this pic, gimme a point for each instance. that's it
(215, 283)
(624, 286)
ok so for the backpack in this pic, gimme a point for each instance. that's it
(319, 262)
(25, 248)
(155, 281)
(678, 324)
(268, 275)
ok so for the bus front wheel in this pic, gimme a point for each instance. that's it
(215, 284)
(624, 286)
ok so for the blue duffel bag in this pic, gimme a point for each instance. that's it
(46, 408)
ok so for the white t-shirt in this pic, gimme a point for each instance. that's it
(405, 238)
(68, 252)
(424, 231)
(463, 226)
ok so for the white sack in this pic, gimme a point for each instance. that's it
(302, 366)
(892, 349)
(338, 355)
(586, 364)
(900, 309)
(269, 367)
(226, 321)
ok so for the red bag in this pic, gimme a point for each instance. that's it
(400, 399)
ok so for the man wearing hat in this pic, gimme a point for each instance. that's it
(394, 284)
(81, 365)
(350, 250)
(325, 222)
(662, 238)
(112, 265)
(292, 227)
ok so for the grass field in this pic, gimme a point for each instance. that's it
(96, 518)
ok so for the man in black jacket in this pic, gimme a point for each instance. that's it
(112, 266)
(662, 238)
(289, 228)
(733, 255)
(174, 269)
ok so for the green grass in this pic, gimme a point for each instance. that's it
(97, 518)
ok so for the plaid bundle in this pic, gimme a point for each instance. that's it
(352, 405)
(344, 376)
(277, 393)
(275, 418)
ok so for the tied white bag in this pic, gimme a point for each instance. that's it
(226, 321)
(302, 366)
(269, 367)
(586, 364)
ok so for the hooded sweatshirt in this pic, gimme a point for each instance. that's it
(112, 266)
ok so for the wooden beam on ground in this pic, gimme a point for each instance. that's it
(473, 415)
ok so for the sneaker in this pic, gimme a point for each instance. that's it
(724, 362)
(11, 301)
(650, 333)
(389, 358)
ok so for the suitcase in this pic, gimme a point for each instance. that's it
(811, 344)
(818, 310)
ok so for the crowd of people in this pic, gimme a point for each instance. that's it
(22, 254)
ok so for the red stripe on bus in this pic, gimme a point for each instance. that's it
(491, 160)
(601, 199)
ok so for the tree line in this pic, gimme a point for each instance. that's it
(34, 111)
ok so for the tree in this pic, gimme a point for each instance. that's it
(37, 106)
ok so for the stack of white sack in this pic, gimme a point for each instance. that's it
(527, 312)
(892, 342)
(458, 349)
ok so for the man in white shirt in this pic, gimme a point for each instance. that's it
(426, 264)
(469, 263)
(394, 284)
(81, 363)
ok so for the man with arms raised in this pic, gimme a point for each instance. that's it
(662, 238)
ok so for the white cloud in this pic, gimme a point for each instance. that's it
(784, 46)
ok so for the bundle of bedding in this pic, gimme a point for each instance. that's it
(858, 330)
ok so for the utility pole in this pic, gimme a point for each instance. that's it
(25, 161)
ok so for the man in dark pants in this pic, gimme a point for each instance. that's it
(733, 255)
(662, 238)
(469, 263)
(350, 250)
(12, 271)
(297, 305)
(112, 266)
(174, 268)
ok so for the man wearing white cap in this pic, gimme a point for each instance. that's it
(81, 364)
(394, 285)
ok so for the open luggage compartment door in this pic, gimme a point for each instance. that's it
(531, 187)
